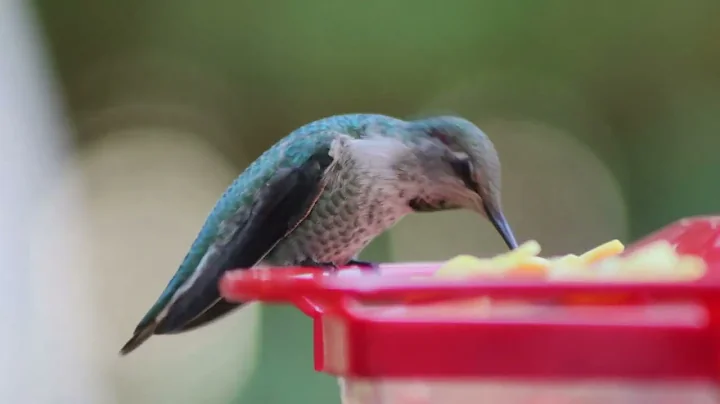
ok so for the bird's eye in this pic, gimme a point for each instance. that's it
(464, 170)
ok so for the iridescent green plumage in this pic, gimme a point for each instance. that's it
(291, 151)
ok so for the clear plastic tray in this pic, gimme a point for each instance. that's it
(480, 391)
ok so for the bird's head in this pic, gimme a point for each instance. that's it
(462, 168)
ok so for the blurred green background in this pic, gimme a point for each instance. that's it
(606, 115)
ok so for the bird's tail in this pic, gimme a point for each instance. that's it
(141, 335)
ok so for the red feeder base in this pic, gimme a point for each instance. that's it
(394, 338)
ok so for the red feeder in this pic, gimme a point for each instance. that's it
(395, 339)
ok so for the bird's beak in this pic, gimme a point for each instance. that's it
(502, 227)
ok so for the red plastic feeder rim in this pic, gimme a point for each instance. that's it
(391, 325)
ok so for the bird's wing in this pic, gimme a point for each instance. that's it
(243, 239)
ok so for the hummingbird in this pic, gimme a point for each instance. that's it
(319, 196)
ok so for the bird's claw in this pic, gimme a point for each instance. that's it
(366, 265)
(333, 269)
(326, 267)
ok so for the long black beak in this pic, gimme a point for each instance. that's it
(502, 227)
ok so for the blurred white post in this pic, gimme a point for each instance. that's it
(43, 299)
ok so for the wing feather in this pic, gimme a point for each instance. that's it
(243, 239)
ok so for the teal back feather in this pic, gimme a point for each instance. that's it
(290, 151)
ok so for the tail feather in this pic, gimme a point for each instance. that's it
(139, 337)
(215, 312)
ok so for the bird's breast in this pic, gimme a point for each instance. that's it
(353, 209)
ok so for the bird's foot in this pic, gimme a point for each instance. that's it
(327, 267)
(366, 265)
(332, 268)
